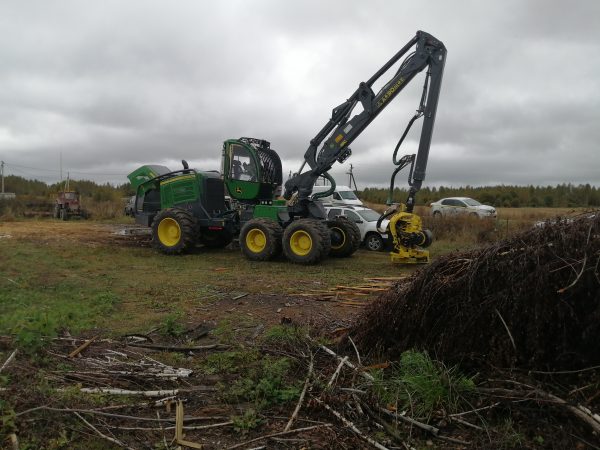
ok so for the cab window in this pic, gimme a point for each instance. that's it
(242, 164)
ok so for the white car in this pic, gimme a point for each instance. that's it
(366, 221)
(342, 194)
(454, 206)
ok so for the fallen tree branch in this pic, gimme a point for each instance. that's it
(474, 410)
(116, 416)
(8, 360)
(172, 427)
(117, 391)
(350, 425)
(82, 347)
(281, 433)
(337, 371)
(174, 348)
(302, 394)
(583, 263)
(423, 426)
(365, 375)
(386, 426)
(536, 394)
(507, 329)
(102, 435)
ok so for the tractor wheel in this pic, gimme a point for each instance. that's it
(56, 214)
(306, 241)
(64, 215)
(345, 237)
(215, 239)
(173, 231)
(260, 239)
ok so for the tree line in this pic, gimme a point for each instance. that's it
(86, 188)
(561, 195)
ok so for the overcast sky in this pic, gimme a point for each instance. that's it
(112, 85)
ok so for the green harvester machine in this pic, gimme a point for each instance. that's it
(187, 207)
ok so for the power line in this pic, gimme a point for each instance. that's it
(71, 171)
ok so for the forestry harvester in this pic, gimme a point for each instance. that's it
(186, 206)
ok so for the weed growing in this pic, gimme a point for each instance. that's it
(265, 383)
(247, 421)
(285, 335)
(422, 386)
(171, 325)
(229, 362)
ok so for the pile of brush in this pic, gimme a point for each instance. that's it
(532, 301)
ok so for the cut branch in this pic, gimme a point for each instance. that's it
(350, 425)
(282, 433)
(302, 394)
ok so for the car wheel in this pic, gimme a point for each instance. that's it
(474, 214)
(437, 214)
(374, 242)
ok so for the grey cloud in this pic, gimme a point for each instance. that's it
(113, 84)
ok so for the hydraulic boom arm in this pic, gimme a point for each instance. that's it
(342, 129)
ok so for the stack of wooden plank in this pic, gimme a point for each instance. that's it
(354, 296)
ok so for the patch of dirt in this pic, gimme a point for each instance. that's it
(76, 231)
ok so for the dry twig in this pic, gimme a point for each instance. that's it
(350, 425)
(102, 435)
(8, 360)
(302, 394)
(281, 433)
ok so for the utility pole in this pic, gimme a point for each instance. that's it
(2, 174)
(351, 179)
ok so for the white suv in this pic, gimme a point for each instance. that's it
(366, 221)
(454, 206)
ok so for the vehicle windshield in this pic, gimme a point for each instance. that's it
(471, 202)
(369, 215)
(348, 195)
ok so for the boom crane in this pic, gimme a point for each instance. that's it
(341, 129)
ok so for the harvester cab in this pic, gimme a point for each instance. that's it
(251, 170)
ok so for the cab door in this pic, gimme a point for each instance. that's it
(241, 171)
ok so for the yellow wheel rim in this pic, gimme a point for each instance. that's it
(301, 243)
(169, 232)
(341, 232)
(256, 241)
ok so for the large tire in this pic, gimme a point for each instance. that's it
(56, 212)
(215, 239)
(64, 215)
(260, 239)
(374, 242)
(174, 231)
(345, 237)
(306, 241)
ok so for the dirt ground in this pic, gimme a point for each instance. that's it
(214, 311)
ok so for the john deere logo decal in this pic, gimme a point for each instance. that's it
(238, 190)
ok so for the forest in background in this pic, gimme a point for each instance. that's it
(562, 195)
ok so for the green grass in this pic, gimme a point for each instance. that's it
(48, 286)
(422, 386)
